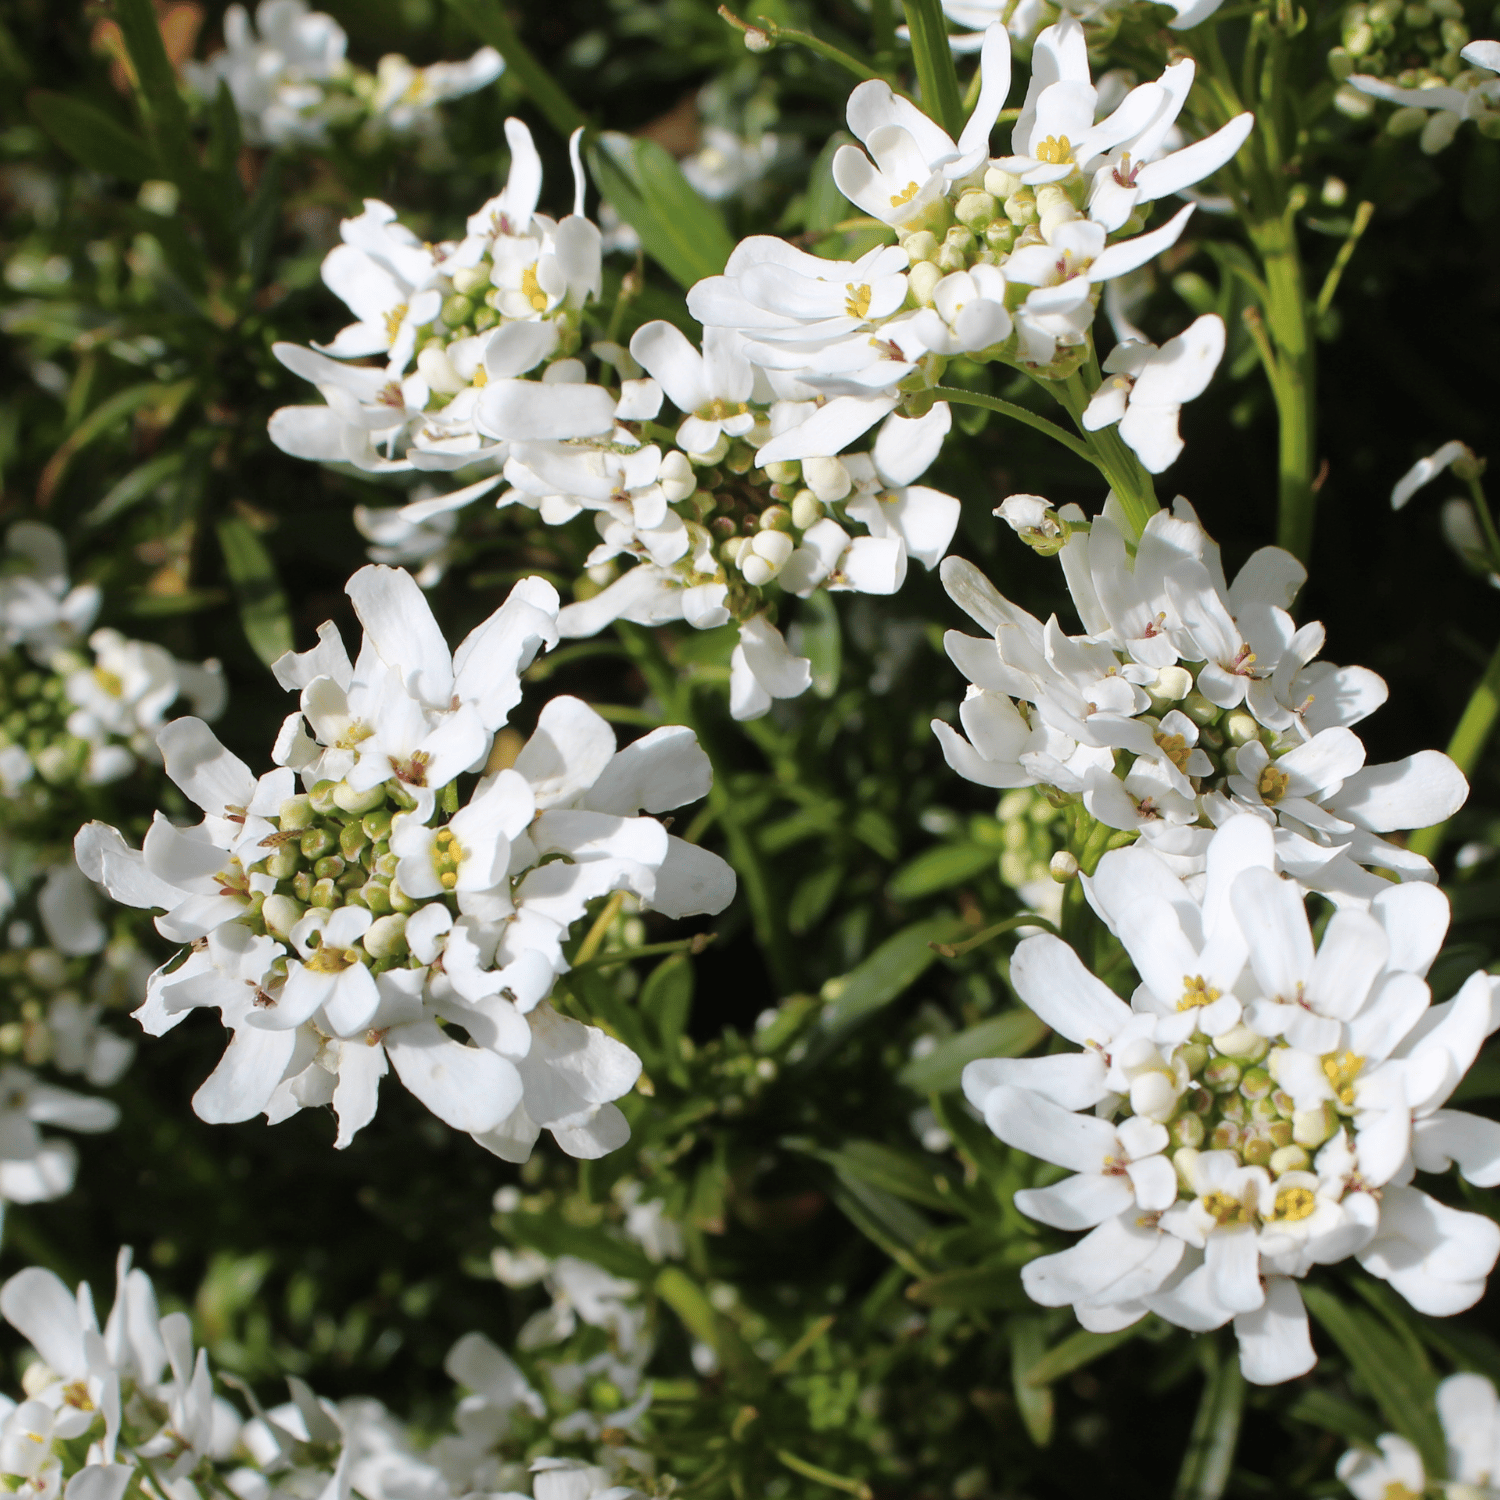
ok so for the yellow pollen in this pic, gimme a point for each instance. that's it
(1056, 151)
(719, 410)
(1224, 1209)
(857, 303)
(1196, 991)
(531, 289)
(481, 376)
(906, 194)
(393, 320)
(1395, 1490)
(358, 730)
(332, 960)
(1341, 1069)
(1272, 785)
(415, 90)
(448, 879)
(110, 682)
(1295, 1203)
(77, 1395)
(1176, 748)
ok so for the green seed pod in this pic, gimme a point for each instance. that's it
(1187, 1130)
(316, 842)
(302, 884)
(330, 867)
(281, 863)
(353, 840)
(324, 893)
(377, 895)
(321, 798)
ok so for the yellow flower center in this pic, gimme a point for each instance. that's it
(1395, 1490)
(1176, 748)
(327, 960)
(906, 194)
(77, 1395)
(1295, 1203)
(481, 376)
(1196, 991)
(531, 289)
(1056, 151)
(1272, 785)
(110, 682)
(1225, 1210)
(1341, 1069)
(357, 731)
(393, 321)
(721, 411)
(857, 303)
(447, 855)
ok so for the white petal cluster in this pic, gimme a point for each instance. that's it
(1025, 18)
(1469, 1412)
(337, 929)
(1438, 106)
(1259, 1108)
(1188, 701)
(292, 83)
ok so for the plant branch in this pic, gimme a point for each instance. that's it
(1362, 216)
(1018, 414)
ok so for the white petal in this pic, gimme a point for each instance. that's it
(1052, 980)
(1275, 1342)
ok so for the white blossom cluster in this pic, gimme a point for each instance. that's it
(801, 357)
(339, 928)
(1023, 19)
(291, 82)
(1431, 106)
(1470, 1415)
(133, 1401)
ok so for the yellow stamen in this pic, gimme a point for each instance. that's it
(906, 194)
(1341, 1069)
(531, 289)
(481, 376)
(1196, 991)
(1056, 151)
(857, 303)
(1272, 785)
(1225, 1210)
(110, 682)
(393, 321)
(1175, 748)
(719, 410)
(332, 960)
(1295, 1203)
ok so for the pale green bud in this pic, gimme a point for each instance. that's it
(1311, 1127)
(1242, 1043)
(714, 455)
(806, 510)
(469, 279)
(923, 245)
(1240, 728)
(784, 473)
(827, 478)
(921, 283)
(296, 813)
(351, 801)
(1408, 120)
(1020, 207)
(1172, 685)
(281, 914)
(1340, 63)
(1184, 1159)
(1199, 709)
(1289, 1159)
(977, 210)
(1063, 868)
(387, 937)
(999, 183)
(776, 518)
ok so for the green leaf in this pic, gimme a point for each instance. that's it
(825, 205)
(1008, 1035)
(973, 1289)
(936, 76)
(872, 828)
(889, 971)
(161, 102)
(167, 399)
(135, 486)
(682, 232)
(938, 869)
(188, 602)
(92, 138)
(1402, 1387)
(1028, 1341)
(1216, 1431)
(698, 1315)
(489, 22)
(812, 898)
(818, 639)
(903, 1173)
(1334, 1414)
(885, 1220)
(666, 999)
(224, 143)
(263, 611)
(1080, 1349)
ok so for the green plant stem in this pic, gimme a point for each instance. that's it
(1466, 746)
(1362, 216)
(1020, 414)
(1025, 919)
(1132, 484)
(767, 914)
(883, 29)
(1486, 519)
(488, 21)
(776, 34)
(824, 1476)
(695, 944)
(936, 75)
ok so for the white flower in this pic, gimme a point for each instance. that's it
(712, 389)
(38, 609)
(1467, 1408)
(1425, 470)
(914, 159)
(763, 667)
(1471, 96)
(1148, 387)
(405, 96)
(726, 164)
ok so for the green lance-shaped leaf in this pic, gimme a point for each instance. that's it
(92, 138)
(666, 999)
(906, 1174)
(681, 231)
(936, 75)
(1080, 1349)
(1008, 1035)
(986, 1288)
(1028, 1342)
(1216, 1430)
(489, 22)
(263, 610)
(939, 869)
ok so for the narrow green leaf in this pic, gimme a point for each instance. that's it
(135, 486)
(168, 400)
(682, 232)
(224, 142)
(1028, 1342)
(165, 112)
(889, 971)
(489, 22)
(818, 639)
(1008, 1035)
(1402, 1390)
(936, 76)
(938, 869)
(666, 999)
(1334, 1414)
(885, 1221)
(689, 1301)
(1080, 1349)
(92, 138)
(188, 602)
(903, 1173)
(825, 205)
(1216, 1431)
(263, 610)
(812, 898)
(261, 219)
(972, 1288)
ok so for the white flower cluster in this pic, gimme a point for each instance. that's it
(1470, 1415)
(338, 928)
(1025, 18)
(85, 714)
(292, 83)
(134, 1402)
(1187, 702)
(1258, 1108)
(1433, 107)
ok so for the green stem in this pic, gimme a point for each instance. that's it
(1025, 919)
(767, 916)
(1016, 413)
(1216, 1430)
(1486, 520)
(695, 945)
(489, 22)
(1466, 746)
(1362, 216)
(837, 55)
(883, 29)
(1133, 486)
(825, 1476)
(936, 74)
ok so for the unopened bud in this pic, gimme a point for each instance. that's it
(1256, 1086)
(1154, 1095)
(999, 183)
(922, 282)
(676, 477)
(977, 210)
(1064, 867)
(806, 510)
(1311, 1127)
(469, 279)
(1172, 685)
(920, 245)
(1408, 120)
(1199, 709)
(1185, 1159)
(756, 40)
(1289, 1159)
(1240, 728)
(359, 803)
(1020, 208)
(387, 937)
(1187, 1130)
(775, 518)
(713, 456)
(1244, 1045)
(787, 472)
(281, 914)
(827, 478)
(296, 813)
(1222, 1075)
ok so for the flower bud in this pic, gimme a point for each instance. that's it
(1020, 207)
(387, 937)
(1240, 728)
(756, 40)
(1172, 685)
(324, 893)
(977, 210)
(775, 518)
(1199, 709)
(922, 245)
(321, 798)
(281, 914)
(330, 867)
(376, 894)
(1407, 120)
(1064, 867)
(1000, 237)
(1311, 1127)
(1187, 1130)
(714, 455)
(1184, 1160)
(1340, 63)
(437, 369)
(806, 510)
(469, 279)
(399, 900)
(1222, 1075)
(315, 842)
(1245, 1046)
(765, 556)
(676, 477)
(282, 862)
(296, 813)
(999, 183)
(1154, 1095)
(1256, 1085)
(1289, 1159)
(922, 282)
(377, 824)
(359, 803)
(827, 478)
(786, 472)
(730, 549)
